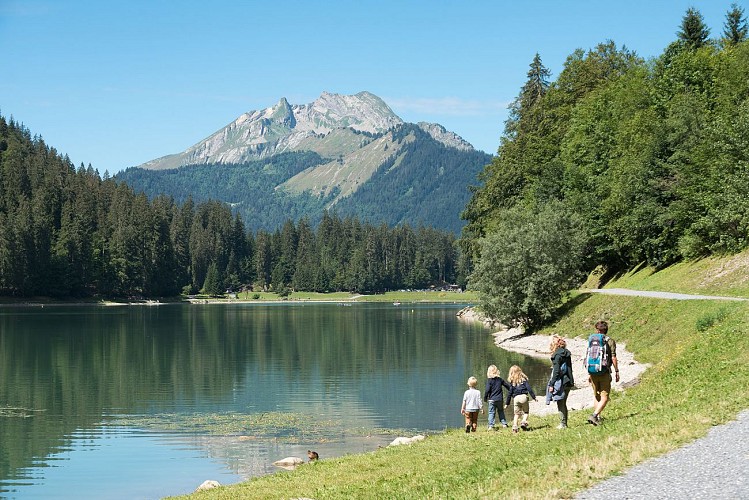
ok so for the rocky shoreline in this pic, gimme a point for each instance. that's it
(581, 397)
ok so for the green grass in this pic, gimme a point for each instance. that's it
(426, 296)
(699, 378)
(403, 297)
(727, 276)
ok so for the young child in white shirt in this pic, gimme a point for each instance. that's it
(472, 405)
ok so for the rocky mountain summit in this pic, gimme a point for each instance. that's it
(332, 125)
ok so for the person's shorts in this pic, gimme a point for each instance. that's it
(520, 404)
(601, 383)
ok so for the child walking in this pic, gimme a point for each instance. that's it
(519, 392)
(495, 396)
(471, 405)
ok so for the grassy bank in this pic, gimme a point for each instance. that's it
(404, 297)
(699, 378)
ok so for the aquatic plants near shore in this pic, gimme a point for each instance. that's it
(286, 427)
(13, 412)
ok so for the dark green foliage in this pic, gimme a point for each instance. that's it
(735, 28)
(693, 33)
(212, 285)
(249, 187)
(535, 88)
(651, 156)
(69, 233)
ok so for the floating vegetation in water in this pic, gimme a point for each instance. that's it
(269, 424)
(287, 427)
(9, 411)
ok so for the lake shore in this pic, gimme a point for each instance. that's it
(581, 397)
(396, 298)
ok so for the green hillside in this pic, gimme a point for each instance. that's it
(249, 188)
(402, 176)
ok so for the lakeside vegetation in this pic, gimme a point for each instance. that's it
(675, 403)
(402, 296)
(397, 297)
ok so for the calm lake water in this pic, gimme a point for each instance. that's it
(145, 402)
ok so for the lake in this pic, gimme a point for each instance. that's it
(149, 401)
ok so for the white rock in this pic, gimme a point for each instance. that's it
(288, 461)
(406, 440)
(208, 485)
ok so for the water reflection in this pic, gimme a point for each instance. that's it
(84, 371)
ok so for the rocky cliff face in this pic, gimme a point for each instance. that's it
(327, 126)
(449, 139)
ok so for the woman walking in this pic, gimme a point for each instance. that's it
(561, 380)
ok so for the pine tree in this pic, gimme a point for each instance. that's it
(536, 85)
(735, 28)
(694, 33)
(212, 285)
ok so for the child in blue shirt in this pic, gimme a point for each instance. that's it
(494, 395)
(520, 392)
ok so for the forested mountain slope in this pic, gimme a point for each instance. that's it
(67, 232)
(617, 163)
(348, 154)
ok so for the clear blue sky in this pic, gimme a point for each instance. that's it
(118, 83)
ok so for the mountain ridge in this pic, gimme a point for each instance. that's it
(349, 154)
(295, 127)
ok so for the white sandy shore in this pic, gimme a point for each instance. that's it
(582, 396)
(538, 346)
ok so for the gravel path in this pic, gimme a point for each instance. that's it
(657, 295)
(716, 466)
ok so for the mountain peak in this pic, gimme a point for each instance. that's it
(364, 112)
(282, 113)
(295, 127)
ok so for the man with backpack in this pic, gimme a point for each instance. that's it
(600, 358)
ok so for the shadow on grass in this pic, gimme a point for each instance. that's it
(614, 273)
(568, 307)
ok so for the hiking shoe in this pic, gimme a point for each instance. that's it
(594, 419)
(515, 430)
(468, 428)
(505, 426)
(473, 429)
(562, 426)
(524, 426)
